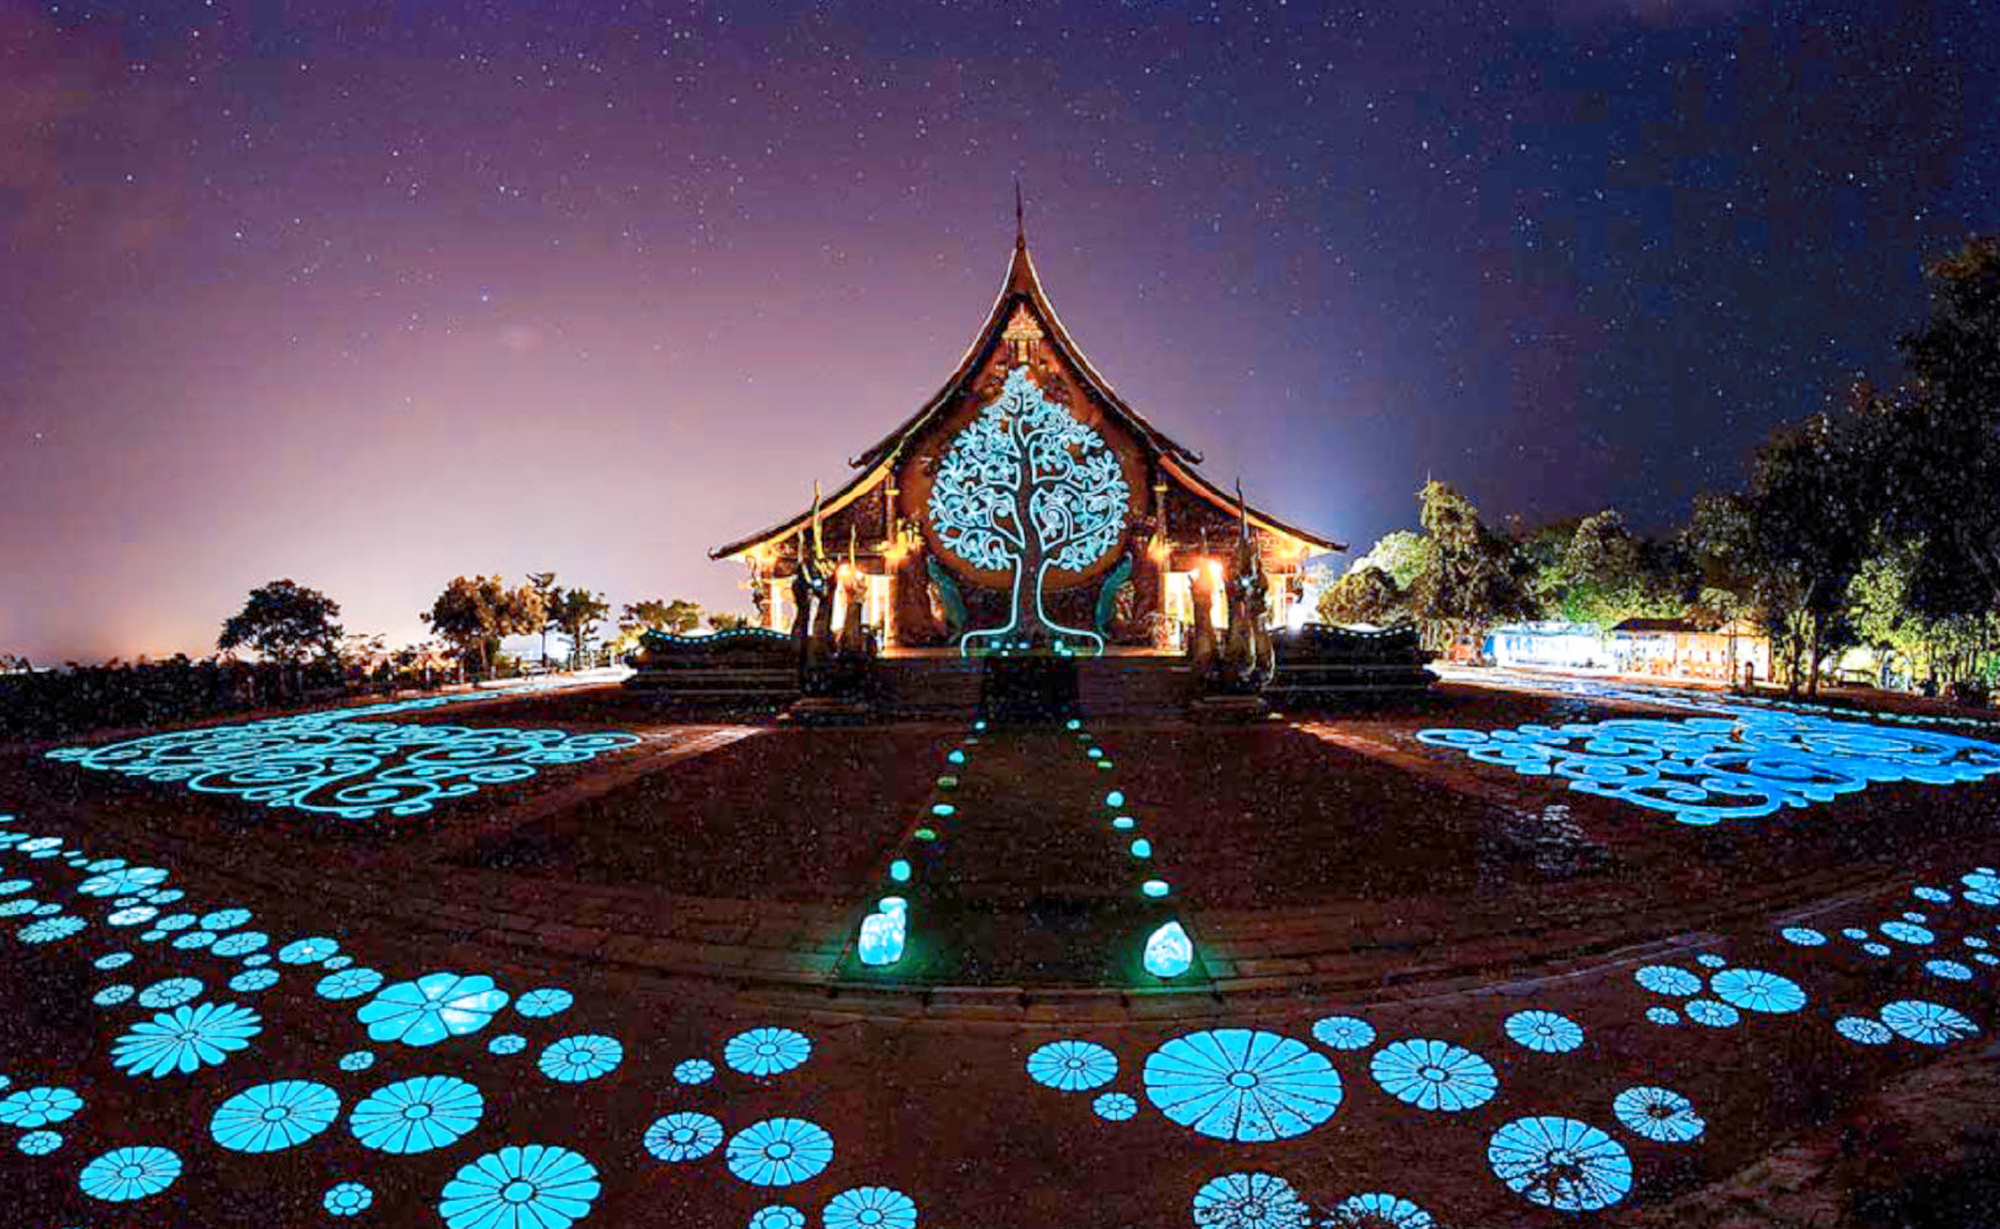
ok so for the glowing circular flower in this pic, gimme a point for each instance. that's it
(870, 1207)
(1854, 932)
(1950, 970)
(1875, 949)
(224, 919)
(1378, 1211)
(1917, 918)
(348, 983)
(11, 886)
(38, 1107)
(1072, 1066)
(507, 1043)
(357, 1060)
(1756, 990)
(105, 864)
(538, 1186)
(1986, 958)
(335, 963)
(347, 1199)
(417, 1115)
(1663, 1015)
(572, 1060)
(1930, 1024)
(121, 880)
(1711, 1014)
(1981, 881)
(194, 939)
(547, 1001)
(252, 980)
(1560, 1163)
(1114, 1107)
(683, 1137)
(124, 1174)
(307, 951)
(48, 910)
(175, 921)
(1659, 1114)
(1249, 1201)
(1343, 1033)
(169, 993)
(1863, 1031)
(50, 929)
(1907, 932)
(19, 908)
(1936, 896)
(1983, 899)
(242, 943)
(431, 1008)
(1544, 1031)
(1804, 936)
(39, 1143)
(1974, 941)
(1666, 979)
(766, 1051)
(779, 1152)
(185, 1039)
(777, 1216)
(163, 896)
(1434, 1075)
(1711, 962)
(1240, 1084)
(271, 1117)
(113, 960)
(132, 916)
(694, 1071)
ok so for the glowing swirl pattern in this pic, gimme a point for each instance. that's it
(331, 764)
(1027, 486)
(1702, 770)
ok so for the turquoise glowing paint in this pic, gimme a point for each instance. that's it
(1169, 951)
(956, 757)
(1142, 848)
(899, 870)
(943, 809)
(1114, 799)
(1154, 887)
(882, 937)
(1124, 823)
(1072, 724)
(925, 834)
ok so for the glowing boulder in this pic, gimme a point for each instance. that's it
(1169, 951)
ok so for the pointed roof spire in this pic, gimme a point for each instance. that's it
(1020, 217)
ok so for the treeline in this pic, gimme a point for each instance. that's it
(1875, 523)
(303, 656)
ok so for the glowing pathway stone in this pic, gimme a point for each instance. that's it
(779, 1152)
(1072, 1066)
(1658, 1114)
(1560, 1163)
(1250, 1201)
(1169, 951)
(1242, 1084)
(1434, 1075)
(538, 1185)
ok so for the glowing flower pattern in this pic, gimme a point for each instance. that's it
(1930, 1024)
(683, 1137)
(185, 1039)
(1666, 979)
(779, 1152)
(1545, 1032)
(50, 929)
(1663, 1015)
(777, 1216)
(1242, 1084)
(1378, 1211)
(1711, 1014)
(125, 1174)
(194, 939)
(121, 880)
(1863, 1031)
(1114, 1106)
(572, 1060)
(417, 1115)
(1560, 1163)
(357, 1060)
(38, 1107)
(870, 1207)
(39, 1143)
(169, 993)
(537, 1186)
(1803, 936)
(242, 943)
(507, 1043)
(252, 980)
(694, 1071)
(307, 951)
(547, 1001)
(1343, 1033)
(1757, 990)
(1659, 1114)
(1950, 970)
(113, 960)
(1249, 1201)
(1434, 1075)
(431, 1008)
(1907, 932)
(347, 1199)
(1072, 1066)
(275, 1116)
(348, 983)
(224, 919)
(766, 1051)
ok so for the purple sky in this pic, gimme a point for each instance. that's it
(372, 295)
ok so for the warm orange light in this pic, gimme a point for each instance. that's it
(1215, 569)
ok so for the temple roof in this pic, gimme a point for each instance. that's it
(1021, 306)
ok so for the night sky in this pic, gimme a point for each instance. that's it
(370, 295)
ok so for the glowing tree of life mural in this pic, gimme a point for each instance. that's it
(1027, 487)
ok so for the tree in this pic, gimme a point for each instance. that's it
(545, 588)
(725, 621)
(1027, 487)
(285, 623)
(577, 613)
(473, 614)
(1474, 578)
(1367, 594)
(1402, 554)
(679, 616)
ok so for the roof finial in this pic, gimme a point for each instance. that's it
(1020, 223)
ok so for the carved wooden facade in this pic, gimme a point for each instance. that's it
(920, 594)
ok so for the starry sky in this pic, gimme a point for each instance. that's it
(373, 294)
